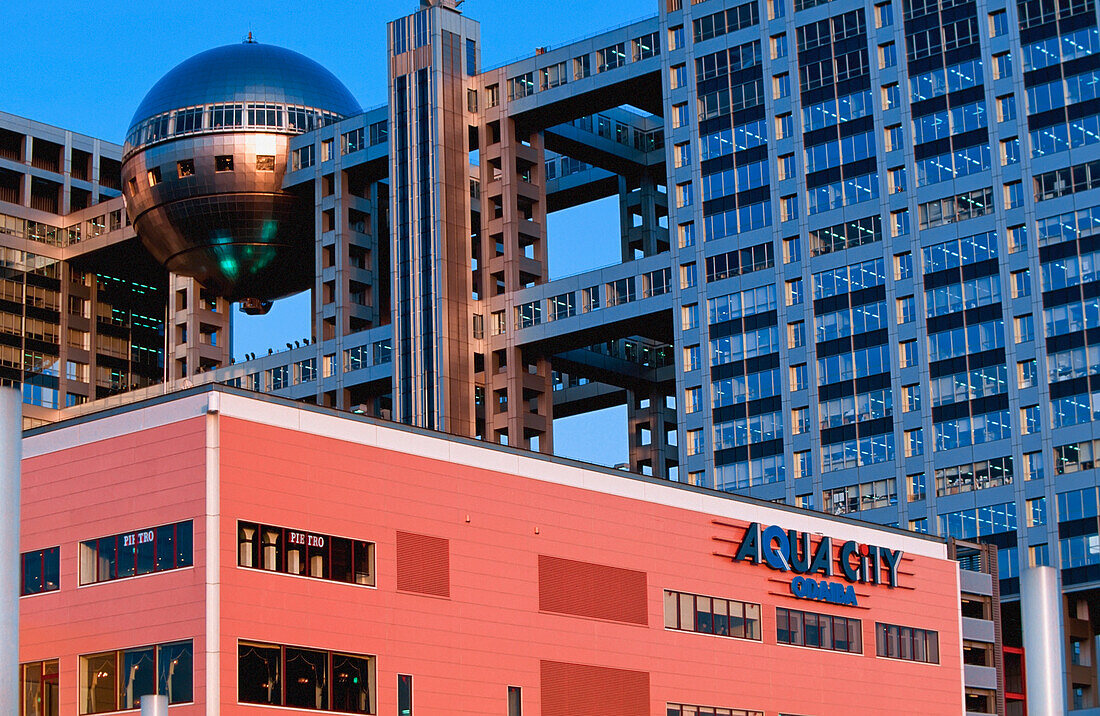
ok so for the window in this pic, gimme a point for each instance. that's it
(910, 398)
(803, 464)
(781, 86)
(796, 334)
(907, 353)
(687, 276)
(1027, 374)
(38, 688)
(693, 400)
(1030, 420)
(896, 180)
(792, 250)
(887, 55)
(787, 167)
(301, 158)
(884, 15)
(41, 571)
(1014, 195)
(223, 163)
(798, 377)
(679, 115)
(682, 154)
(689, 316)
(1021, 283)
(800, 420)
(784, 126)
(818, 631)
(1037, 512)
(795, 292)
(686, 234)
(185, 168)
(265, 163)
(326, 150)
(788, 207)
(676, 37)
(278, 549)
(1010, 151)
(1006, 108)
(515, 701)
(684, 195)
(894, 138)
(693, 710)
(1039, 555)
(712, 615)
(1002, 65)
(678, 76)
(131, 554)
(691, 358)
(1024, 327)
(695, 443)
(907, 309)
(903, 266)
(914, 442)
(998, 23)
(779, 46)
(1033, 466)
(154, 176)
(312, 679)
(116, 680)
(911, 644)
(891, 96)
(916, 489)
(1017, 239)
(611, 57)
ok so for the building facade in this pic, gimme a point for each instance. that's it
(854, 267)
(302, 557)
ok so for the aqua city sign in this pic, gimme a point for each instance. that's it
(793, 551)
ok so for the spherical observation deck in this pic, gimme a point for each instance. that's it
(204, 160)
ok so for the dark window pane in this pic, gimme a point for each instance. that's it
(351, 682)
(32, 573)
(782, 628)
(306, 678)
(52, 568)
(166, 550)
(175, 668)
(341, 567)
(247, 544)
(184, 539)
(138, 676)
(404, 695)
(813, 638)
(258, 674)
(108, 560)
(146, 551)
(515, 701)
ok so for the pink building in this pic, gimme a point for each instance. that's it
(240, 553)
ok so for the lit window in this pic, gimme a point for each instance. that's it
(265, 163)
(154, 176)
(278, 675)
(223, 163)
(185, 168)
(131, 554)
(116, 680)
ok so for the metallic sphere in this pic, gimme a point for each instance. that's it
(203, 167)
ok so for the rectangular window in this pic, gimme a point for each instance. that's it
(41, 571)
(884, 15)
(712, 615)
(784, 125)
(798, 377)
(781, 86)
(38, 688)
(692, 710)
(404, 695)
(909, 643)
(515, 701)
(116, 680)
(306, 554)
(131, 554)
(314, 679)
(818, 631)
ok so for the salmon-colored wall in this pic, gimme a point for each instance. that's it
(465, 650)
(122, 484)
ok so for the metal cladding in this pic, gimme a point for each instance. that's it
(203, 167)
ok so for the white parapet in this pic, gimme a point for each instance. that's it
(1041, 611)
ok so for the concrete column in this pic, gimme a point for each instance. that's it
(1041, 607)
(11, 451)
(154, 706)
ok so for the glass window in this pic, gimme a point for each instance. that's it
(143, 552)
(303, 678)
(38, 688)
(41, 571)
(712, 615)
(116, 680)
(280, 549)
(819, 631)
(911, 644)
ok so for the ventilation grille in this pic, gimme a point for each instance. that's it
(581, 690)
(584, 589)
(423, 564)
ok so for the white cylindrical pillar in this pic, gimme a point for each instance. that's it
(11, 452)
(1041, 612)
(154, 706)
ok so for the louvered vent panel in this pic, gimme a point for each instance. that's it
(592, 590)
(581, 690)
(423, 564)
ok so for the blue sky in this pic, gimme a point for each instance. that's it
(85, 67)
